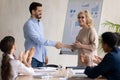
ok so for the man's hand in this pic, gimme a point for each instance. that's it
(59, 45)
(97, 59)
(46, 60)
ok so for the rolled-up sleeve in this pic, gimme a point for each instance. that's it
(102, 68)
(24, 70)
(93, 37)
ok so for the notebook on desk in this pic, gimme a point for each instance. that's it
(45, 69)
(76, 69)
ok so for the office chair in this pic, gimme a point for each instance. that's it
(52, 65)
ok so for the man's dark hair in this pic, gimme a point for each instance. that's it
(34, 5)
(109, 38)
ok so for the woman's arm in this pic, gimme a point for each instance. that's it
(72, 47)
(67, 46)
(23, 69)
(93, 41)
(30, 55)
(25, 56)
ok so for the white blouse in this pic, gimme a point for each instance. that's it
(19, 68)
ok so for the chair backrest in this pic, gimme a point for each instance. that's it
(52, 65)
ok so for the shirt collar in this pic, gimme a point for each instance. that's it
(33, 19)
(11, 56)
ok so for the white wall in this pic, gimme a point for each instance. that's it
(110, 12)
(14, 13)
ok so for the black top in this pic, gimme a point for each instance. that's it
(109, 67)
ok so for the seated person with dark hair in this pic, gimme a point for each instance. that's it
(109, 67)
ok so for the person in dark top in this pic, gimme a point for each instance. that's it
(109, 67)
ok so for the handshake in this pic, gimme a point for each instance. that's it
(59, 45)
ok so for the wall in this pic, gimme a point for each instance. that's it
(110, 12)
(14, 13)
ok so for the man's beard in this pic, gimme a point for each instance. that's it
(38, 17)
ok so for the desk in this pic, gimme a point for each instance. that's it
(57, 75)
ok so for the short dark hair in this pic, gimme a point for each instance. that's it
(34, 5)
(110, 39)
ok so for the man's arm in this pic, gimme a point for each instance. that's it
(30, 31)
(102, 68)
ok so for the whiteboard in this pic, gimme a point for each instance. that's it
(71, 27)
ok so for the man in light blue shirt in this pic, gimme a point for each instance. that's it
(34, 36)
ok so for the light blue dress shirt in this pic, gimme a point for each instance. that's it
(34, 37)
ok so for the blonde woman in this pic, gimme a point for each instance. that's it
(87, 40)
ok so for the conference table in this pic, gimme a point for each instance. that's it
(57, 74)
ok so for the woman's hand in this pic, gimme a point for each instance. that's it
(84, 59)
(77, 44)
(87, 60)
(25, 56)
(30, 55)
(21, 56)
